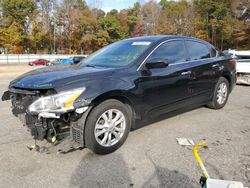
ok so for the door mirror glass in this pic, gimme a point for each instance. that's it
(156, 63)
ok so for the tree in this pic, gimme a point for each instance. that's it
(10, 38)
(176, 18)
(18, 11)
(76, 20)
(99, 13)
(38, 39)
(111, 24)
(216, 20)
(150, 16)
(241, 35)
(134, 20)
(71, 26)
(138, 30)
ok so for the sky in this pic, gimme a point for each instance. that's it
(108, 5)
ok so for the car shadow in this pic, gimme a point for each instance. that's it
(168, 178)
(111, 171)
(101, 171)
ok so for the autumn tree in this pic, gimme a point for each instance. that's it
(73, 26)
(241, 10)
(75, 20)
(10, 38)
(176, 18)
(15, 24)
(150, 16)
(215, 19)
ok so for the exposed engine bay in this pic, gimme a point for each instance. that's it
(53, 127)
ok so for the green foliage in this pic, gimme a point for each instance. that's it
(18, 10)
(112, 25)
(10, 37)
(212, 8)
(99, 13)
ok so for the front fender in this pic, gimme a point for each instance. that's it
(105, 88)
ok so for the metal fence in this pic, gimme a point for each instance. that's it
(25, 58)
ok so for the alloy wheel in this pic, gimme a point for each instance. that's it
(222, 93)
(110, 127)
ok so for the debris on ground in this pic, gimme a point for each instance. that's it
(185, 141)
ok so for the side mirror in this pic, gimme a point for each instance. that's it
(156, 63)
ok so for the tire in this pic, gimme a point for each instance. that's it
(216, 103)
(107, 142)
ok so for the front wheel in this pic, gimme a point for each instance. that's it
(220, 95)
(107, 126)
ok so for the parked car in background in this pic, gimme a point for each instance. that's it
(54, 62)
(98, 101)
(67, 61)
(62, 61)
(39, 62)
(242, 59)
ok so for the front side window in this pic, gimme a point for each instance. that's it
(197, 50)
(172, 52)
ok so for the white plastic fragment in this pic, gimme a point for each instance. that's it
(48, 115)
(185, 141)
(214, 183)
(81, 110)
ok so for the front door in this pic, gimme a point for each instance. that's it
(166, 89)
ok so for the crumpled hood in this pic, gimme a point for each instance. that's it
(58, 76)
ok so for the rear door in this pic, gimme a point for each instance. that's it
(205, 69)
(165, 89)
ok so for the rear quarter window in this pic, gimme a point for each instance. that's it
(213, 52)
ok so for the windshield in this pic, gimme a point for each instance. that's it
(118, 54)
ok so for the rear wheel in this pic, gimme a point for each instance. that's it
(107, 126)
(220, 95)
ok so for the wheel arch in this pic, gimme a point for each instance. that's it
(228, 78)
(122, 96)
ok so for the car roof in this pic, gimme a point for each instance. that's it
(159, 38)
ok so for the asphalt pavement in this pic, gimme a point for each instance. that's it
(150, 157)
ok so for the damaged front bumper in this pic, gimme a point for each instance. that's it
(51, 126)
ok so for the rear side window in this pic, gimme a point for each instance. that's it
(173, 52)
(197, 50)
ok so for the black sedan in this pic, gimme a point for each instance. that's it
(98, 101)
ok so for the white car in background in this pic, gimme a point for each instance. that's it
(242, 59)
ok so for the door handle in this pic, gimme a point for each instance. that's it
(186, 73)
